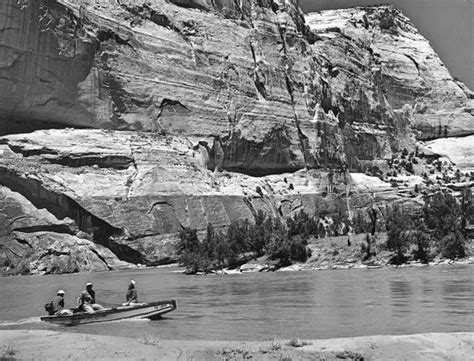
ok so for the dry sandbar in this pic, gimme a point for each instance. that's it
(52, 345)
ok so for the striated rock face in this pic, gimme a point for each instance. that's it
(134, 192)
(383, 75)
(34, 241)
(208, 69)
(198, 111)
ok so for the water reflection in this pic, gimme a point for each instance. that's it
(455, 294)
(402, 297)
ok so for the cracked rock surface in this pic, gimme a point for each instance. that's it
(122, 122)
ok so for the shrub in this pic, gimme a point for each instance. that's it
(350, 355)
(409, 168)
(298, 342)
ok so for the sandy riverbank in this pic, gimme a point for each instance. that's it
(51, 345)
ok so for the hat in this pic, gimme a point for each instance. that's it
(132, 282)
(88, 284)
(61, 292)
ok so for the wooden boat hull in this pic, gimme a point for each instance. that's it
(151, 310)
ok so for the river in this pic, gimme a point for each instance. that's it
(261, 306)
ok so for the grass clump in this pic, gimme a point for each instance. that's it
(149, 339)
(298, 342)
(236, 353)
(7, 353)
(276, 345)
(350, 355)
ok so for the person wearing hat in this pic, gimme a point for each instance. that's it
(91, 292)
(56, 305)
(86, 300)
(132, 296)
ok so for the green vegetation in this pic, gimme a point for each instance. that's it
(244, 240)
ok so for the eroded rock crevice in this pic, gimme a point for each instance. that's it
(60, 228)
(259, 76)
(243, 87)
(146, 12)
(303, 140)
(84, 160)
(62, 206)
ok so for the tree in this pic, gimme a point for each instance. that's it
(359, 224)
(421, 238)
(453, 245)
(237, 240)
(302, 224)
(213, 249)
(444, 217)
(373, 220)
(266, 236)
(399, 230)
(467, 209)
(259, 232)
(188, 250)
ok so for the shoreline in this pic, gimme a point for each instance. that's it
(53, 345)
(331, 253)
(258, 267)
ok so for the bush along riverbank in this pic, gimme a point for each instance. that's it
(391, 236)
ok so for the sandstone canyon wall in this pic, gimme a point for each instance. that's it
(124, 121)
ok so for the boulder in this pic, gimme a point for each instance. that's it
(49, 252)
(33, 240)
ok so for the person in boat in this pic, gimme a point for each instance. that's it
(56, 305)
(91, 292)
(86, 300)
(132, 296)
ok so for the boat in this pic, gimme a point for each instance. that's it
(153, 310)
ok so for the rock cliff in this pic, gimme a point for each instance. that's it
(124, 121)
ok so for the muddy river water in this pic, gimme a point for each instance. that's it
(261, 306)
